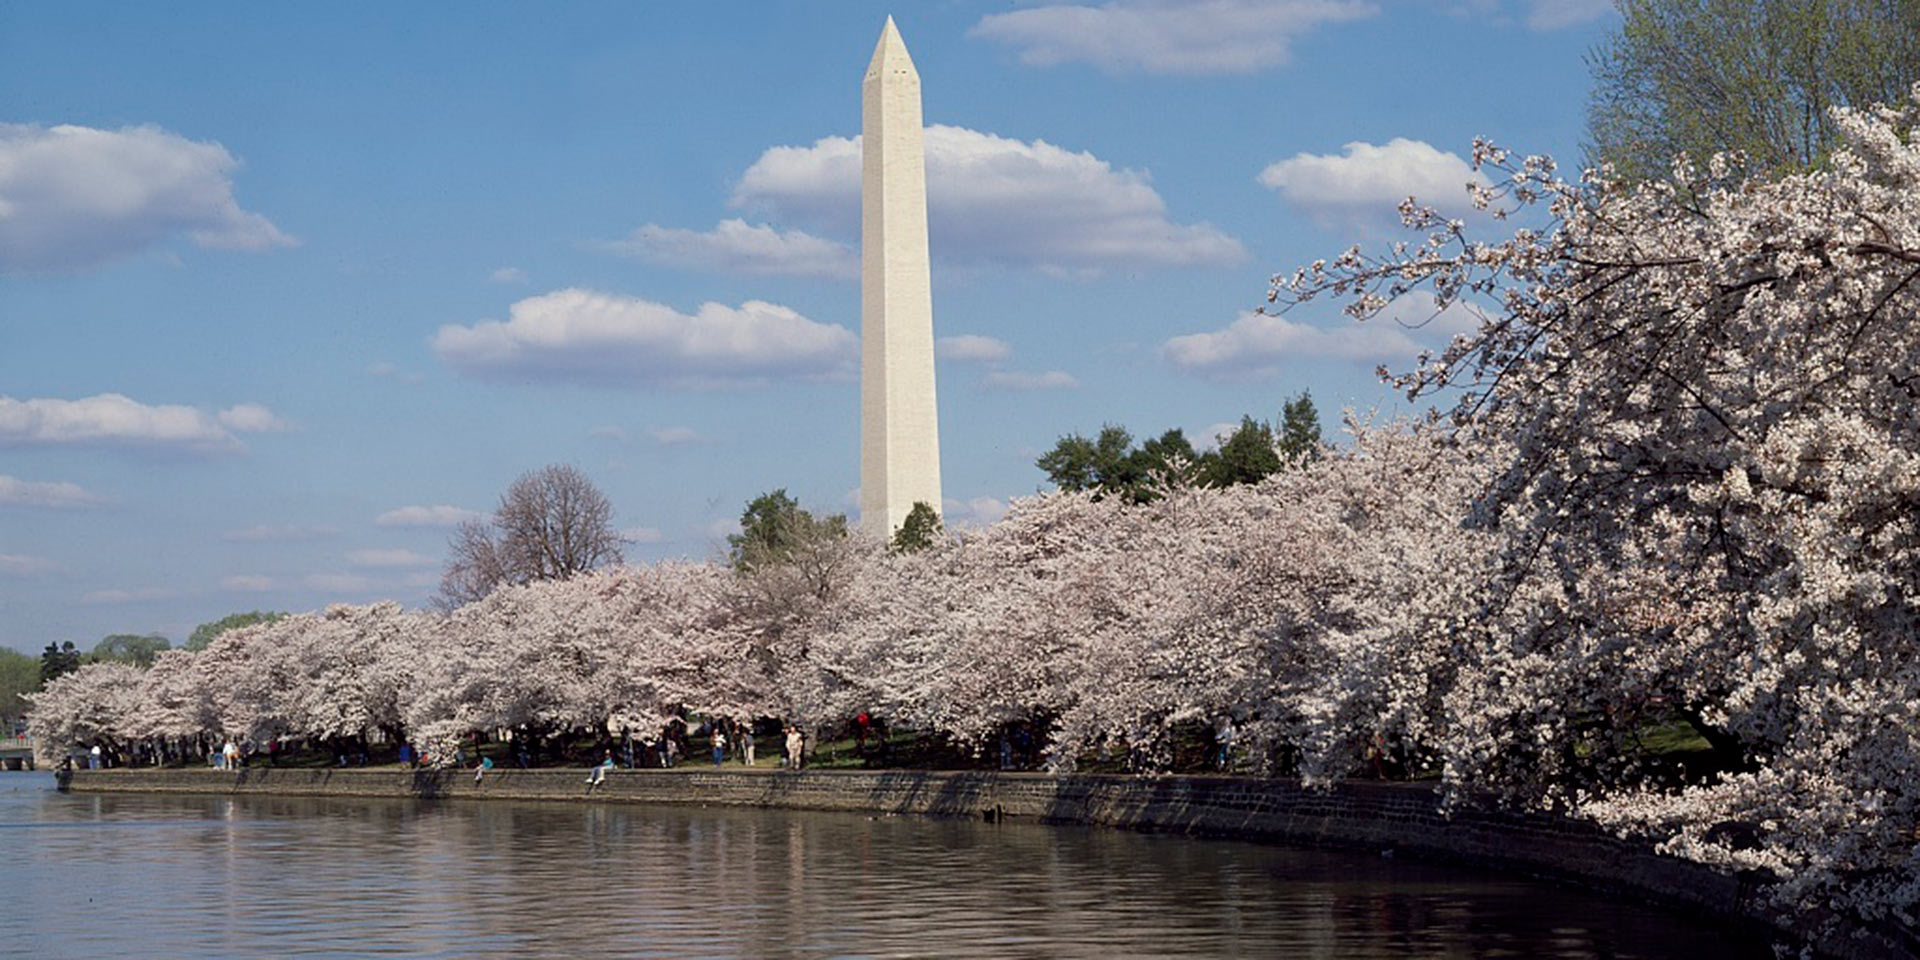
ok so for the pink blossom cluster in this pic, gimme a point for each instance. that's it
(1708, 388)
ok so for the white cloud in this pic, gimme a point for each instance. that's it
(340, 582)
(1258, 344)
(1417, 313)
(141, 595)
(1555, 14)
(721, 529)
(389, 558)
(247, 583)
(75, 197)
(642, 535)
(437, 516)
(975, 512)
(266, 532)
(113, 419)
(994, 200)
(1166, 36)
(252, 418)
(1366, 183)
(1213, 435)
(20, 565)
(508, 275)
(582, 335)
(675, 436)
(31, 493)
(1017, 380)
(738, 247)
(972, 348)
(392, 370)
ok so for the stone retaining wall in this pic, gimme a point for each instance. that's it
(1373, 816)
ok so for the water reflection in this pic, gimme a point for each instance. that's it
(103, 875)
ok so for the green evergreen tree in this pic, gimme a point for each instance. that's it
(773, 529)
(1299, 442)
(58, 661)
(1246, 456)
(919, 530)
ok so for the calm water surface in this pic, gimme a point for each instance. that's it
(174, 876)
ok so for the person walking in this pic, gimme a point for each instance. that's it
(796, 742)
(719, 740)
(746, 745)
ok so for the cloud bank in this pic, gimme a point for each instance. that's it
(112, 419)
(991, 200)
(75, 197)
(1365, 183)
(436, 516)
(738, 247)
(1258, 345)
(16, 492)
(573, 335)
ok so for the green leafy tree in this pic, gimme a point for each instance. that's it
(919, 530)
(19, 675)
(1170, 456)
(1111, 465)
(788, 552)
(58, 661)
(1757, 76)
(134, 648)
(1247, 456)
(206, 632)
(774, 529)
(1299, 441)
(1104, 463)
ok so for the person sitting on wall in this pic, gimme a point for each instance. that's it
(599, 774)
(480, 769)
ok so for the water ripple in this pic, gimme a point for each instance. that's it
(180, 876)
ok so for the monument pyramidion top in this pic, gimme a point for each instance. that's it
(890, 56)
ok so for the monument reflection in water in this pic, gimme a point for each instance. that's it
(181, 876)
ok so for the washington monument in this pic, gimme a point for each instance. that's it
(899, 424)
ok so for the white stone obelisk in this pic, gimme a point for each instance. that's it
(899, 423)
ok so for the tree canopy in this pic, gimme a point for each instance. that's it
(1755, 76)
(58, 660)
(551, 524)
(1111, 465)
(790, 555)
(206, 632)
(19, 676)
(919, 530)
(137, 649)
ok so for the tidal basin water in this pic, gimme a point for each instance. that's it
(91, 875)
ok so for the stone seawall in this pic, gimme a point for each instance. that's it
(1372, 816)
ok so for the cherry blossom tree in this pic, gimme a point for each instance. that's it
(1709, 386)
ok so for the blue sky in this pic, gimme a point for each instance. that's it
(286, 291)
